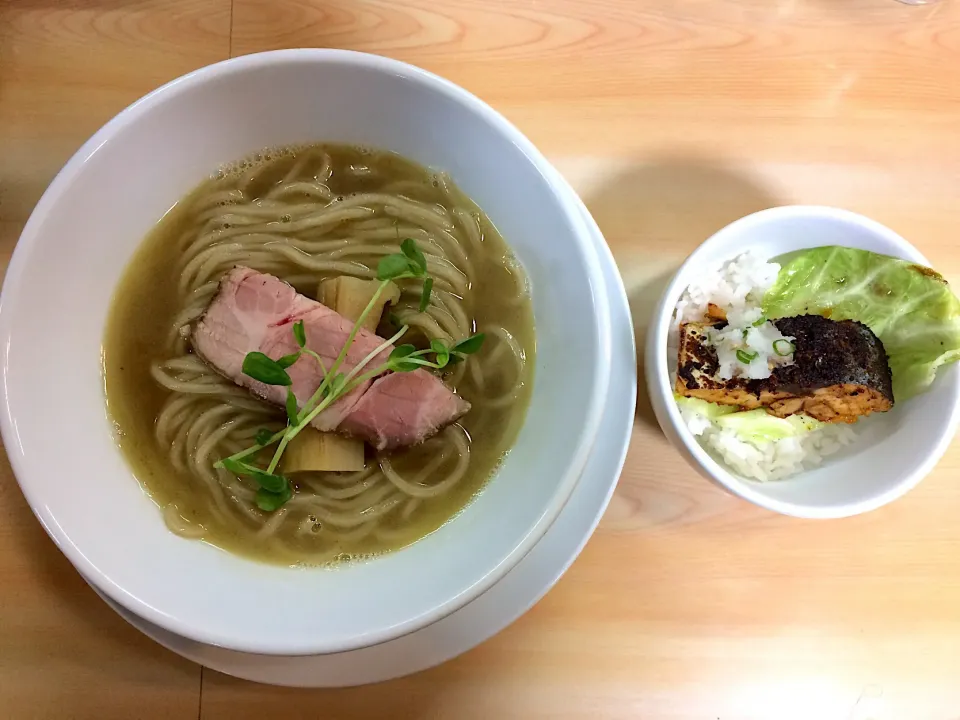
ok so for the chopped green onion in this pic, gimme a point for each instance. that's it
(759, 321)
(746, 357)
(788, 347)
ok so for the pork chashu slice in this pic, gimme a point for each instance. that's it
(254, 311)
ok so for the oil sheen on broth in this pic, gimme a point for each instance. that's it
(173, 416)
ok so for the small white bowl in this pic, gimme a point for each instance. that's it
(893, 451)
(98, 210)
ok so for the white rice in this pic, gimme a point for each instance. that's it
(738, 287)
(763, 460)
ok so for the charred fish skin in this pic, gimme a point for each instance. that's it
(830, 352)
(840, 372)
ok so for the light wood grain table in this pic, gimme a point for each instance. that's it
(671, 118)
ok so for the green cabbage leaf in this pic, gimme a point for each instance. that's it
(909, 307)
(756, 426)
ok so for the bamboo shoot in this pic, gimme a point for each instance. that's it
(349, 296)
(316, 451)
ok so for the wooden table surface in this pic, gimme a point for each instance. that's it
(671, 118)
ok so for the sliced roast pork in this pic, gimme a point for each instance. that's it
(256, 312)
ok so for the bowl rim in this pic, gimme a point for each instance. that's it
(475, 623)
(658, 374)
(317, 56)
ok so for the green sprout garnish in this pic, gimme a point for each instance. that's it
(269, 501)
(291, 406)
(274, 489)
(425, 296)
(268, 371)
(299, 334)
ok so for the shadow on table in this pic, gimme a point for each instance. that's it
(428, 694)
(653, 215)
(71, 625)
(657, 212)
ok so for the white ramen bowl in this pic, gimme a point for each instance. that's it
(97, 211)
(892, 452)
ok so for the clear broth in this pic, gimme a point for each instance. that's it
(146, 302)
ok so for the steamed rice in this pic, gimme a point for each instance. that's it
(767, 459)
(738, 287)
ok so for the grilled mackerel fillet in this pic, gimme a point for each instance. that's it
(840, 372)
